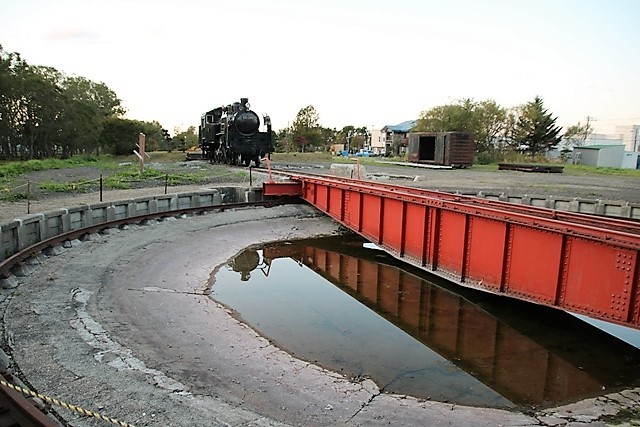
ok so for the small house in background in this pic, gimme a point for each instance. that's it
(377, 143)
(599, 155)
(395, 137)
(441, 148)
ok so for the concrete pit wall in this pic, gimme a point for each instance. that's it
(596, 207)
(19, 234)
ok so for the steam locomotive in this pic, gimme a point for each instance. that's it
(232, 135)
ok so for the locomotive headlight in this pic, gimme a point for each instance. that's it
(248, 106)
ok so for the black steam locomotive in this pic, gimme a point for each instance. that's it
(232, 135)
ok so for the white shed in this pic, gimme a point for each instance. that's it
(599, 155)
(631, 160)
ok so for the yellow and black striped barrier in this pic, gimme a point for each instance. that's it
(65, 405)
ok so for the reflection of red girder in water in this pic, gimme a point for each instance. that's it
(577, 262)
(510, 362)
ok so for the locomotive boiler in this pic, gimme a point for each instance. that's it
(232, 135)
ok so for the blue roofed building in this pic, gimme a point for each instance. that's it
(396, 137)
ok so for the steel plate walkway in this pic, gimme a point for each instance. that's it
(580, 263)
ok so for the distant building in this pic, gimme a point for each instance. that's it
(631, 160)
(602, 155)
(377, 143)
(336, 149)
(395, 137)
(630, 136)
(607, 151)
(603, 139)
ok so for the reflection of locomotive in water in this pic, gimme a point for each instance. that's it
(245, 262)
(232, 135)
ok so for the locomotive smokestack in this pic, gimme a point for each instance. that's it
(244, 101)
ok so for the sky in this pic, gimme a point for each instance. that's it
(358, 62)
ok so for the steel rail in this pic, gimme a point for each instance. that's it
(595, 230)
(590, 220)
(16, 410)
(26, 253)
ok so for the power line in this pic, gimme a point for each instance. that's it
(612, 120)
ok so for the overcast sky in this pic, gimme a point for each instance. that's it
(360, 62)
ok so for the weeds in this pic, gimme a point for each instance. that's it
(8, 196)
(581, 170)
(66, 187)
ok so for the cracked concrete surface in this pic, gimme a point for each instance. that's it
(122, 324)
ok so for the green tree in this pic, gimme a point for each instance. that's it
(489, 124)
(450, 117)
(305, 130)
(484, 119)
(283, 140)
(576, 136)
(88, 104)
(328, 137)
(186, 138)
(120, 136)
(346, 135)
(536, 130)
(44, 112)
(40, 107)
(10, 64)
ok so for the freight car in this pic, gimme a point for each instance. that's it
(441, 148)
(232, 135)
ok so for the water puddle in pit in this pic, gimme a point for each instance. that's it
(356, 310)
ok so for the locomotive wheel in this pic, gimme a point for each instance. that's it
(246, 160)
(257, 161)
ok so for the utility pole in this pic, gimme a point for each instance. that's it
(588, 129)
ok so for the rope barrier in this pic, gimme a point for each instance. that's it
(14, 188)
(73, 408)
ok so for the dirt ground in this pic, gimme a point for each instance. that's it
(467, 181)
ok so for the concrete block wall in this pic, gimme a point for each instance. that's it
(597, 207)
(23, 232)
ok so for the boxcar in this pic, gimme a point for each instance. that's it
(441, 148)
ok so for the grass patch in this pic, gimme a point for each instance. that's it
(10, 196)
(174, 179)
(65, 187)
(582, 169)
(116, 183)
(569, 169)
(485, 168)
(125, 179)
(14, 169)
